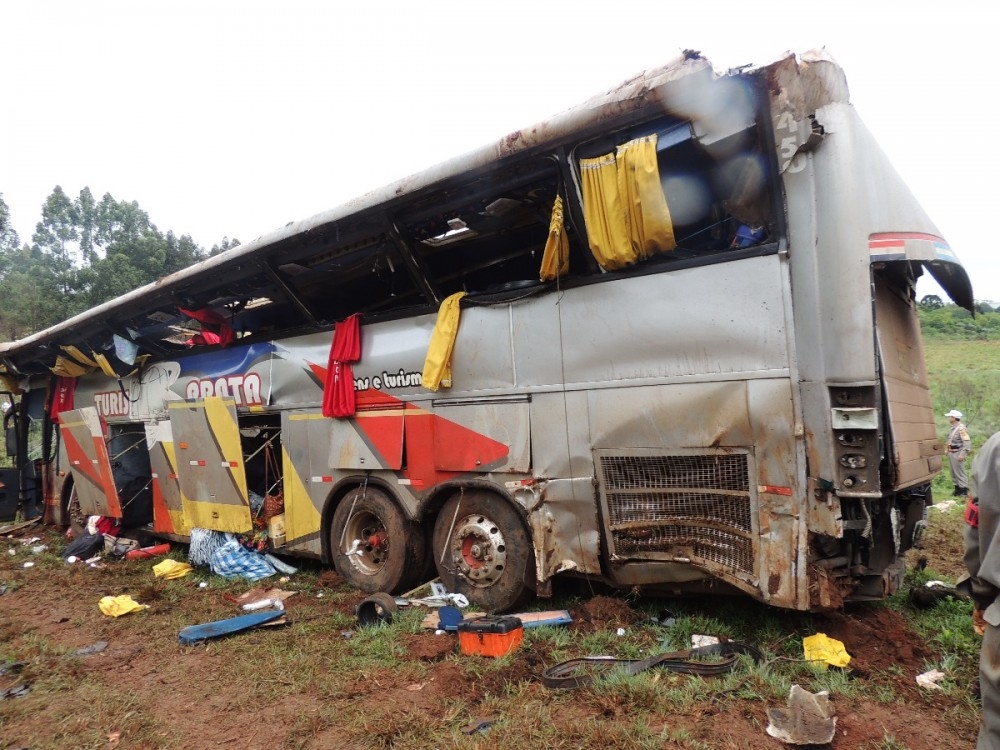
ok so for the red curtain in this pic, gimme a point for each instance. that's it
(338, 389)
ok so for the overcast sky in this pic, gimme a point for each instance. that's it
(233, 118)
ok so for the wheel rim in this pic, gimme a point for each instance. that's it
(366, 542)
(479, 550)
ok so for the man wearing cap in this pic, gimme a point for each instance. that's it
(958, 446)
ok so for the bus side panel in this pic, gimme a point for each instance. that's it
(210, 464)
(675, 471)
(372, 439)
(566, 528)
(87, 454)
(168, 505)
(486, 436)
(723, 321)
(308, 480)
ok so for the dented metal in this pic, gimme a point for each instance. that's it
(725, 416)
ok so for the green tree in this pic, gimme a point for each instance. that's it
(9, 241)
(226, 244)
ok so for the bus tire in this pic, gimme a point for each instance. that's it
(373, 545)
(482, 549)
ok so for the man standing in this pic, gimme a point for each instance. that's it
(958, 446)
(982, 560)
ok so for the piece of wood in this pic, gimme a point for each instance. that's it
(219, 628)
(19, 526)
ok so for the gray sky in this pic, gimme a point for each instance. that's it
(233, 118)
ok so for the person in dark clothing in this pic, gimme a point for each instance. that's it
(982, 560)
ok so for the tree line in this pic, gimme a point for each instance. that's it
(949, 321)
(83, 252)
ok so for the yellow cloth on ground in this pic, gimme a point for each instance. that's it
(437, 364)
(116, 606)
(171, 569)
(821, 647)
(555, 258)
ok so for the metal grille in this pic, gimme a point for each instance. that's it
(695, 505)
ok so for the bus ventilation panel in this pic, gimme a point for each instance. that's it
(693, 506)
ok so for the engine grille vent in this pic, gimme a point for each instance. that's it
(696, 506)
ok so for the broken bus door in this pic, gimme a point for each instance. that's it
(87, 452)
(210, 465)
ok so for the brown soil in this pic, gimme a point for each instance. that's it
(189, 697)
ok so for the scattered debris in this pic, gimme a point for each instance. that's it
(116, 606)
(575, 673)
(94, 648)
(821, 648)
(932, 592)
(146, 552)
(203, 632)
(170, 569)
(490, 636)
(931, 679)
(943, 505)
(18, 691)
(810, 719)
(12, 667)
(478, 725)
(280, 565)
(19, 526)
(447, 618)
(376, 609)
(233, 560)
(698, 641)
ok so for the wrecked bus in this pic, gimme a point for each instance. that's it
(665, 339)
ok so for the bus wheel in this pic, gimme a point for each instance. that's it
(374, 546)
(482, 549)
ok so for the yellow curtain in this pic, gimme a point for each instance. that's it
(642, 194)
(67, 368)
(604, 214)
(9, 383)
(623, 205)
(105, 365)
(437, 365)
(555, 259)
(79, 356)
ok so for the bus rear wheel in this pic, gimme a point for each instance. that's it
(373, 545)
(482, 550)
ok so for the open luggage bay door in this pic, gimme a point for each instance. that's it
(83, 437)
(210, 465)
(168, 505)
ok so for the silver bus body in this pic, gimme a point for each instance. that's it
(748, 419)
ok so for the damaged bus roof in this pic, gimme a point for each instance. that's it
(372, 253)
